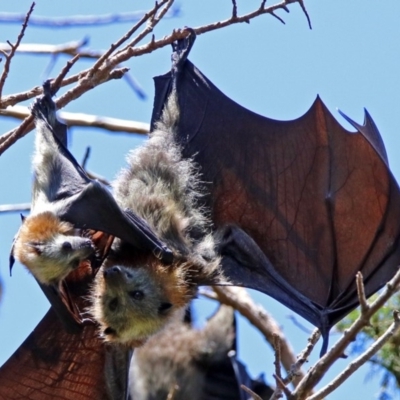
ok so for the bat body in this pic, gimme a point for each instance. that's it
(73, 220)
(136, 294)
(49, 247)
(176, 359)
(186, 363)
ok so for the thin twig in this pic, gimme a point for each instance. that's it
(14, 47)
(302, 358)
(277, 362)
(56, 83)
(359, 361)
(255, 396)
(153, 21)
(277, 375)
(234, 9)
(303, 7)
(124, 38)
(280, 387)
(361, 293)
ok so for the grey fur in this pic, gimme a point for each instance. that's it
(49, 247)
(176, 359)
(164, 189)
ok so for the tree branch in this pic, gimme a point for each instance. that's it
(315, 373)
(128, 52)
(89, 120)
(11, 208)
(146, 17)
(70, 48)
(359, 361)
(98, 74)
(80, 20)
(9, 138)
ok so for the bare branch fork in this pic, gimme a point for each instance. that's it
(315, 373)
(359, 361)
(106, 67)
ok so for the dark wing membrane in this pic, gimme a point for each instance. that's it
(53, 364)
(318, 201)
(64, 358)
(87, 203)
(94, 208)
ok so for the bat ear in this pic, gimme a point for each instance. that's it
(11, 260)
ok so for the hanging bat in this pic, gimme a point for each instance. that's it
(73, 217)
(136, 294)
(297, 209)
(300, 206)
(186, 363)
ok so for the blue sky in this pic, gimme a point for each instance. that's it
(351, 58)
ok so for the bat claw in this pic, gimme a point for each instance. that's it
(181, 49)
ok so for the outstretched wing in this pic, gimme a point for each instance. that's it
(301, 205)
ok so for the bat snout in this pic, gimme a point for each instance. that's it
(86, 244)
(112, 273)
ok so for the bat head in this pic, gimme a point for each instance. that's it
(133, 303)
(50, 248)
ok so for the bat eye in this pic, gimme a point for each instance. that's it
(164, 307)
(128, 275)
(66, 246)
(37, 246)
(113, 304)
(109, 331)
(136, 295)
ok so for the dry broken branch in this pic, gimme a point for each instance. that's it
(255, 396)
